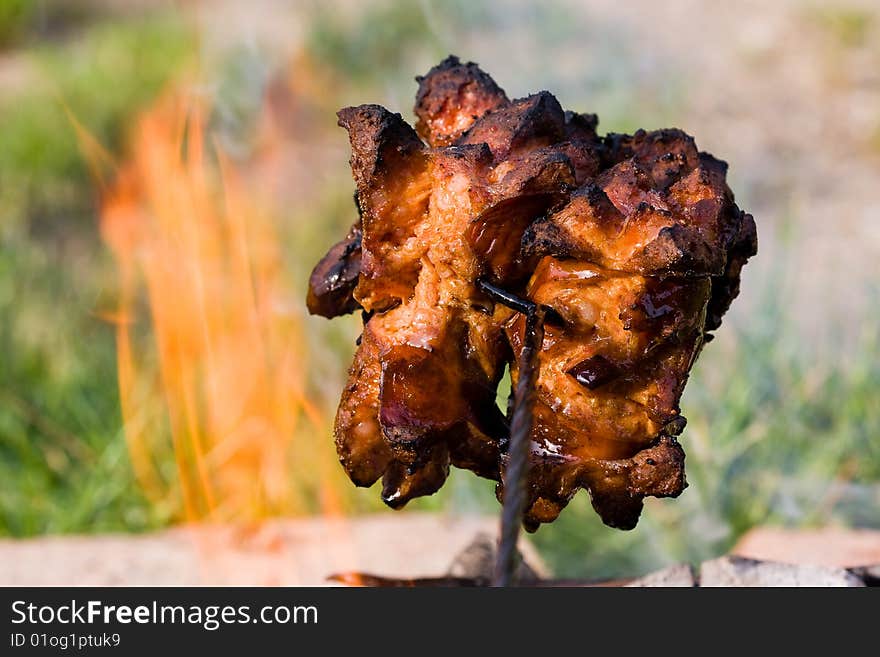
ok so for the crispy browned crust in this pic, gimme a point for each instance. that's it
(660, 209)
(332, 282)
(451, 97)
(536, 182)
(359, 441)
(617, 486)
(633, 242)
(526, 123)
(389, 164)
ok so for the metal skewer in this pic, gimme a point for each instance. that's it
(515, 475)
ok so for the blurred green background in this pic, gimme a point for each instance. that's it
(783, 407)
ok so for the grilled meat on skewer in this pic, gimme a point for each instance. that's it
(632, 244)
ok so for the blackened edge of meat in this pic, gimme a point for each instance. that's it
(332, 281)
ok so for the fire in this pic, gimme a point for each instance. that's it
(212, 361)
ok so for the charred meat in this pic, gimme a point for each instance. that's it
(631, 244)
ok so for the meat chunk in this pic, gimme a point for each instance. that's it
(668, 214)
(611, 376)
(631, 246)
(389, 163)
(451, 97)
(332, 283)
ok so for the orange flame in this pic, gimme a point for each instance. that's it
(217, 376)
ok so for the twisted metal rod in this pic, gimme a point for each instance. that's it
(516, 473)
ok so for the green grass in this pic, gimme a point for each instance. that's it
(63, 460)
(62, 456)
(100, 77)
(849, 27)
(387, 34)
(15, 15)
